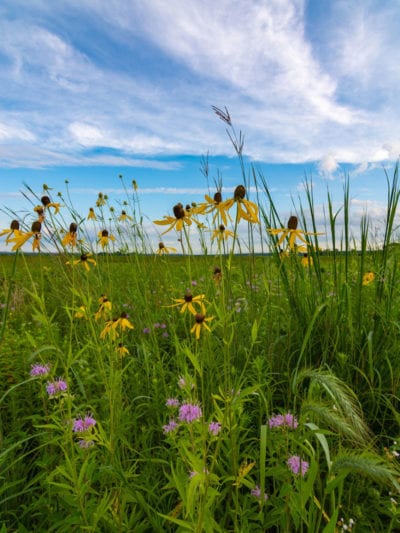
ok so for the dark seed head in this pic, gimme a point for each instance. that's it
(240, 192)
(14, 225)
(73, 228)
(45, 200)
(199, 318)
(104, 233)
(83, 258)
(221, 228)
(178, 210)
(217, 271)
(188, 297)
(292, 223)
(218, 197)
(36, 226)
(161, 245)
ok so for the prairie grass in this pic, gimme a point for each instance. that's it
(215, 392)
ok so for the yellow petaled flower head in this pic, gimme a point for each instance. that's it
(123, 322)
(100, 200)
(307, 261)
(214, 205)
(47, 203)
(123, 216)
(92, 214)
(368, 278)
(200, 323)
(221, 233)
(70, 236)
(105, 307)
(81, 312)
(104, 238)
(246, 210)
(217, 275)
(181, 217)
(122, 350)
(13, 231)
(39, 210)
(85, 260)
(291, 233)
(162, 249)
(188, 303)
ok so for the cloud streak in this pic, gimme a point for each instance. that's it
(141, 84)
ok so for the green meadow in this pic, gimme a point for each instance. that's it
(149, 391)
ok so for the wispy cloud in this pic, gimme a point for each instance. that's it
(139, 78)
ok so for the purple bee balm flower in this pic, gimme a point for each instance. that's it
(165, 334)
(297, 465)
(172, 402)
(146, 330)
(256, 492)
(287, 420)
(189, 412)
(57, 386)
(83, 424)
(156, 325)
(214, 428)
(40, 370)
(171, 426)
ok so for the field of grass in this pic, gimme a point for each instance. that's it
(217, 392)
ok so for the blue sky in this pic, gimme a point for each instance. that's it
(97, 88)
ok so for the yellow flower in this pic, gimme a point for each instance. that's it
(13, 231)
(92, 214)
(123, 216)
(368, 278)
(200, 323)
(291, 233)
(122, 350)
(81, 312)
(188, 301)
(217, 275)
(162, 249)
(221, 233)
(104, 238)
(39, 210)
(246, 210)
(22, 238)
(70, 236)
(112, 326)
(47, 203)
(134, 185)
(214, 204)
(84, 260)
(307, 260)
(100, 200)
(181, 216)
(104, 309)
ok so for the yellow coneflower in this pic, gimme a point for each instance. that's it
(104, 238)
(84, 260)
(134, 185)
(188, 303)
(291, 233)
(181, 216)
(214, 204)
(122, 350)
(307, 260)
(22, 238)
(162, 249)
(70, 236)
(101, 200)
(105, 307)
(113, 325)
(47, 203)
(92, 214)
(13, 231)
(200, 323)
(124, 216)
(222, 233)
(368, 278)
(246, 210)
(123, 322)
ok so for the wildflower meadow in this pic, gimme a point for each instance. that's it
(154, 388)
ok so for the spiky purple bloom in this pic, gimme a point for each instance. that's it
(171, 426)
(172, 402)
(189, 412)
(40, 370)
(85, 443)
(297, 465)
(214, 428)
(288, 420)
(146, 331)
(83, 424)
(55, 387)
(256, 492)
